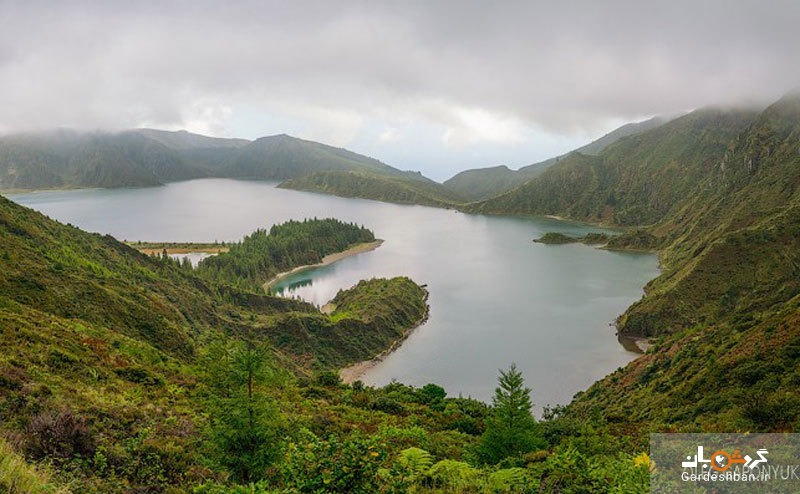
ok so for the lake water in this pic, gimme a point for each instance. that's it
(495, 296)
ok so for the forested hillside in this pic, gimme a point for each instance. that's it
(635, 181)
(124, 372)
(484, 183)
(716, 193)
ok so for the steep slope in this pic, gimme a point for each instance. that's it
(484, 183)
(726, 310)
(282, 157)
(107, 374)
(67, 273)
(401, 189)
(732, 248)
(635, 181)
(63, 271)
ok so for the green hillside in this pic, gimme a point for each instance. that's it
(105, 339)
(635, 181)
(122, 372)
(65, 158)
(402, 189)
(484, 183)
(717, 193)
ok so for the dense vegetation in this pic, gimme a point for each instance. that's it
(263, 254)
(162, 381)
(484, 183)
(618, 242)
(407, 189)
(635, 181)
(556, 238)
(717, 193)
(126, 372)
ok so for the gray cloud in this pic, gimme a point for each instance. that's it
(567, 69)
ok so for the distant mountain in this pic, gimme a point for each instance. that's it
(282, 157)
(483, 183)
(402, 189)
(208, 154)
(145, 157)
(67, 158)
(184, 140)
(634, 181)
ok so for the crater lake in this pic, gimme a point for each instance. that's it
(495, 296)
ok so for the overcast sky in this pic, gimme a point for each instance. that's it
(432, 85)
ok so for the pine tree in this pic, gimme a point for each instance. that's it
(245, 423)
(511, 431)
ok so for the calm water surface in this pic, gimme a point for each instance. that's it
(495, 296)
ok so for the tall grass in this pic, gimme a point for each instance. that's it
(19, 477)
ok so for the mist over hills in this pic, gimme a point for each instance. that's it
(143, 157)
(715, 192)
(482, 183)
(66, 158)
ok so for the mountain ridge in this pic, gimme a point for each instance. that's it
(483, 183)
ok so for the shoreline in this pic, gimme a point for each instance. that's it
(635, 344)
(352, 373)
(327, 260)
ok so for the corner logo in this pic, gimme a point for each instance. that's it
(721, 460)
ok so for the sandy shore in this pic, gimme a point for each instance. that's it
(355, 371)
(329, 259)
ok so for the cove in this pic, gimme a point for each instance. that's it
(495, 296)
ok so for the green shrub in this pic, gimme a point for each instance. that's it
(347, 466)
(140, 375)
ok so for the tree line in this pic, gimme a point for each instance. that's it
(264, 253)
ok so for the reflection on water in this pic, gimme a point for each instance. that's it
(495, 296)
(290, 289)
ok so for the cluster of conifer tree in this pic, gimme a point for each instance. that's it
(265, 253)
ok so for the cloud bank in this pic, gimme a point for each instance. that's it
(448, 76)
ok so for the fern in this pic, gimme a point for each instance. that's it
(416, 460)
